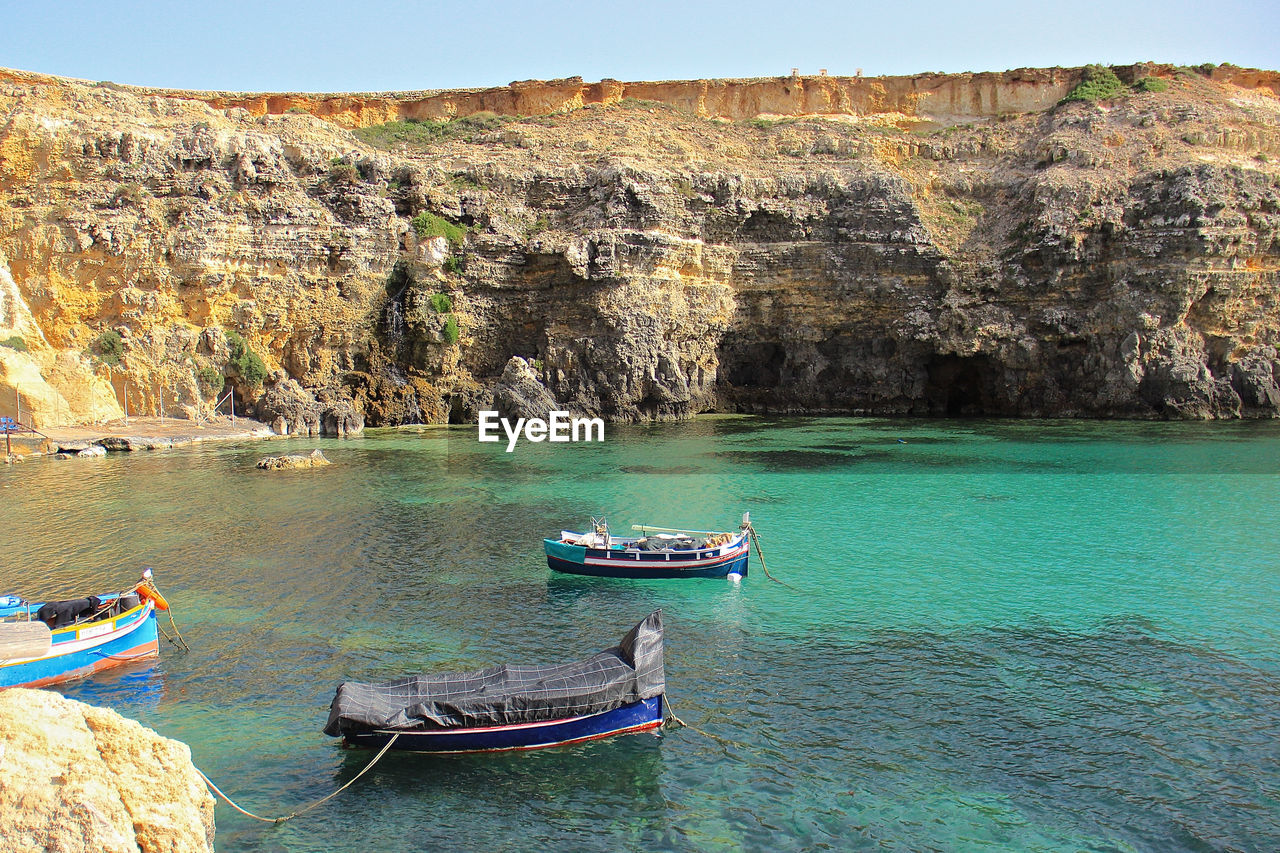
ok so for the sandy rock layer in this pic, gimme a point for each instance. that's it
(74, 777)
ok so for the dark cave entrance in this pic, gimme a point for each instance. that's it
(960, 386)
(752, 365)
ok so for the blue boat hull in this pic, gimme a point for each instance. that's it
(81, 650)
(622, 560)
(639, 716)
(635, 570)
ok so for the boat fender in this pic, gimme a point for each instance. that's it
(147, 592)
(735, 578)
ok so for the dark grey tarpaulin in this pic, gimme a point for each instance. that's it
(500, 695)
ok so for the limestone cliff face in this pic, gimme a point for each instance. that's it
(78, 778)
(1109, 259)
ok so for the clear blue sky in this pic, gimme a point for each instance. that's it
(328, 46)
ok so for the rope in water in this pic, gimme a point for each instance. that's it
(179, 642)
(755, 538)
(672, 718)
(301, 811)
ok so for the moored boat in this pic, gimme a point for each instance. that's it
(660, 552)
(617, 691)
(44, 643)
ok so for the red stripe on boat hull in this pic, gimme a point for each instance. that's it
(137, 653)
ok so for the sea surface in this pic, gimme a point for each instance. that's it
(1031, 635)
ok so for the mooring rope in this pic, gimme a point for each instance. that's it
(301, 811)
(672, 718)
(755, 538)
(180, 642)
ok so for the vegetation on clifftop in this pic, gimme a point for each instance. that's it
(1099, 82)
(424, 133)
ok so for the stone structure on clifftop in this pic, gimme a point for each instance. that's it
(80, 779)
(929, 245)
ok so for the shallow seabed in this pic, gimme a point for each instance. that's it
(1013, 635)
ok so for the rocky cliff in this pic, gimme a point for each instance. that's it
(932, 245)
(78, 778)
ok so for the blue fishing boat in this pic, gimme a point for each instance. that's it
(617, 691)
(659, 552)
(44, 643)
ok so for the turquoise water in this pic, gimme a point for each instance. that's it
(1013, 635)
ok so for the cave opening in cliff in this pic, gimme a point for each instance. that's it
(757, 364)
(959, 386)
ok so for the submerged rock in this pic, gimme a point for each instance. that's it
(79, 778)
(315, 459)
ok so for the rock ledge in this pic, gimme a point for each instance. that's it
(75, 778)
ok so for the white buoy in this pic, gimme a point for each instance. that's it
(735, 577)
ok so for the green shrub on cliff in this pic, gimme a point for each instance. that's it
(1098, 82)
(108, 347)
(442, 303)
(14, 342)
(343, 173)
(451, 330)
(246, 363)
(539, 225)
(1151, 84)
(427, 132)
(210, 378)
(430, 225)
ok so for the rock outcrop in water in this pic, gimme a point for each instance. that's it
(78, 778)
(314, 459)
(935, 245)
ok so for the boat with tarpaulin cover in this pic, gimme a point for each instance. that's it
(659, 552)
(44, 643)
(620, 690)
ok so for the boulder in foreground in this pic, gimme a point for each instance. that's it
(75, 778)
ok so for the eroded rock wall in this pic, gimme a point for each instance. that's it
(1116, 259)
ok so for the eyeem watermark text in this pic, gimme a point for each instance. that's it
(560, 427)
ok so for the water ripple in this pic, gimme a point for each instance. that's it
(1016, 636)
